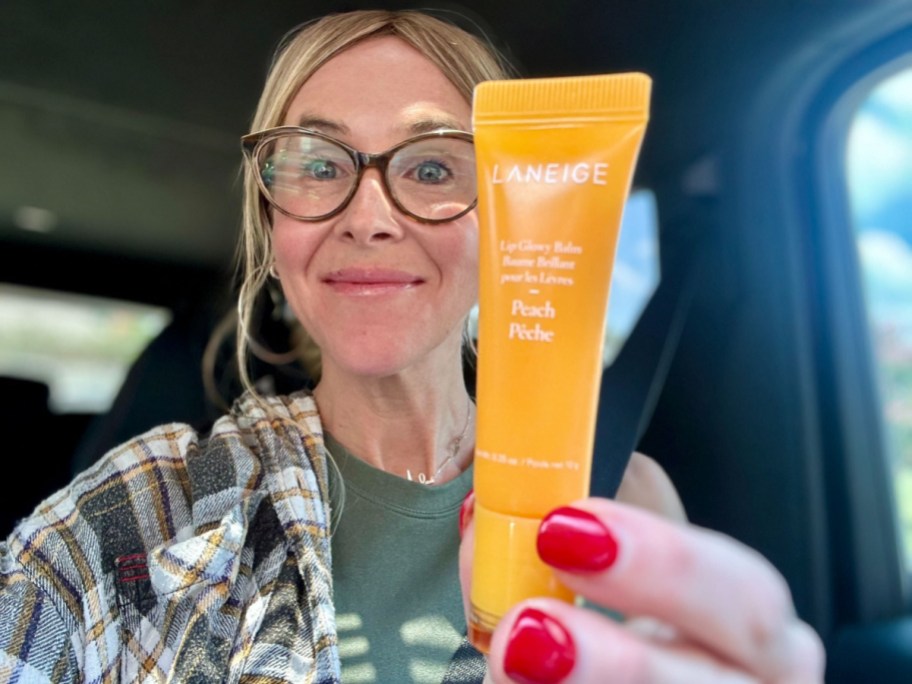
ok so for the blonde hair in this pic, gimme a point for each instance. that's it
(463, 58)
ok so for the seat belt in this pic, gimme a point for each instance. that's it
(631, 386)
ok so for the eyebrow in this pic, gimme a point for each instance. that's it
(320, 124)
(416, 127)
(435, 123)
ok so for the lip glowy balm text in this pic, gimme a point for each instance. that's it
(528, 265)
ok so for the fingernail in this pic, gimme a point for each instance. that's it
(575, 540)
(540, 650)
(466, 511)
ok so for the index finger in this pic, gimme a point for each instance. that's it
(714, 590)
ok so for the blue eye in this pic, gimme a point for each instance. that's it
(431, 172)
(320, 169)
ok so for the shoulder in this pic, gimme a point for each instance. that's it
(111, 505)
(157, 458)
(156, 521)
(165, 485)
(61, 559)
(140, 495)
(647, 485)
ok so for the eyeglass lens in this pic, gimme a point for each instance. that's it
(309, 177)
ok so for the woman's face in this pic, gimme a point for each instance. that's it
(379, 292)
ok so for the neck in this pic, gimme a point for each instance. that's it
(403, 425)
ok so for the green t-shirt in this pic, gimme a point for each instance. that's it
(396, 586)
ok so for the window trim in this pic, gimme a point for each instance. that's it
(860, 488)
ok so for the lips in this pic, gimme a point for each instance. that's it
(370, 281)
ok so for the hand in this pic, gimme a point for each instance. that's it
(709, 608)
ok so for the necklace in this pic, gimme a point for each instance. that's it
(454, 452)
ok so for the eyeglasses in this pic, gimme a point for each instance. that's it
(311, 176)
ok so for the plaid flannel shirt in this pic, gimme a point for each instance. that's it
(181, 558)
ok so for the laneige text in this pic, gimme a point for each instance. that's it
(552, 174)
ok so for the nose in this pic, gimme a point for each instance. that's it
(370, 215)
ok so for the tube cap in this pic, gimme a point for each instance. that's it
(506, 567)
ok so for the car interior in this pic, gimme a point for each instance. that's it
(770, 374)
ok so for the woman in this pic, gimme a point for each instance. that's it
(183, 557)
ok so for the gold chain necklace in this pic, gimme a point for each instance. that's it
(457, 443)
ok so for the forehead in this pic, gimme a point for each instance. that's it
(379, 88)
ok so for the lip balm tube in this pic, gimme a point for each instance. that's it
(555, 162)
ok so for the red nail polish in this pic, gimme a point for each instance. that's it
(466, 511)
(575, 540)
(539, 650)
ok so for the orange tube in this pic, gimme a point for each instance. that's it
(555, 162)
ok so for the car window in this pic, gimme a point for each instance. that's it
(879, 173)
(80, 347)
